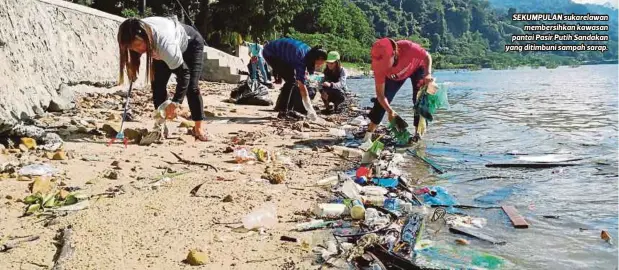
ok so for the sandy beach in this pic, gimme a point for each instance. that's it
(130, 224)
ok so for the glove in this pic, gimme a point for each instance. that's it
(311, 115)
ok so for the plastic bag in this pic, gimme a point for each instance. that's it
(438, 100)
(263, 217)
(242, 155)
(402, 137)
(37, 170)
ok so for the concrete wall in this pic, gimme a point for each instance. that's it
(47, 43)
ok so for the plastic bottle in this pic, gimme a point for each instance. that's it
(357, 211)
(374, 190)
(331, 180)
(371, 215)
(393, 204)
(314, 224)
(347, 152)
(351, 190)
(374, 200)
(263, 217)
(330, 210)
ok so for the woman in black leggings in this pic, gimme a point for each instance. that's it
(170, 47)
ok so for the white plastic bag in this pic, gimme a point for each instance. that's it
(263, 217)
(37, 170)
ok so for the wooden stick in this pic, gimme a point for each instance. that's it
(8, 246)
(189, 162)
(517, 220)
(66, 249)
(262, 260)
(529, 165)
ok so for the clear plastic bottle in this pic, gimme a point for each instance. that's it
(347, 152)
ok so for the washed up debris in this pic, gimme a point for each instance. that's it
(275, 175)
(530, 165)
(476, 234)
(461, 241)
(288, 239)
(13, 244)
(189, 162)
(434, 166)
(263, 217)
(606, 237)
(66, 247)
(37, 170)
(517, 220)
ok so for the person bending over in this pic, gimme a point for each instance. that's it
(291, 59)
(393, 63)
(170, 47)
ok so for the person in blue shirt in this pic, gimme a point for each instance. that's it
(257, 66)
(291, 59)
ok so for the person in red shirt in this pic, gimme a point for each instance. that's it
(393, 62)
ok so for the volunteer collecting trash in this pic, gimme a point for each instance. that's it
(170, 47)
(334, 83)
(393, 63)
(290, 59)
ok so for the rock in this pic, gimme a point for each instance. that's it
(113, 175)
(60, 104)
(51, 139)
(113, 117)
(187, 124)
(150, 138)
(49, 155)
(23, 178)
(228, 149)
(60, 155)
(461, 241)
(29, 142)
(8, 197)
(27, 131)
(228, 198)
(115, 163)
(23, 148)
(135, 134)
(121, 93)
(41, 185)
(111, 129)
(196, 257)
(90, 158)
(233, 110)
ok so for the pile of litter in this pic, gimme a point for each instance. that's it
(377, 221)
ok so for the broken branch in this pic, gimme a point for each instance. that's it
(8, 246)
(189, 162)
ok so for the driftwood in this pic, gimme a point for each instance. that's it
(189, 162)
(8, 246)
(66, 249)
(530, 165)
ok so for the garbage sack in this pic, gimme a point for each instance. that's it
(290, 99)
(250, 92)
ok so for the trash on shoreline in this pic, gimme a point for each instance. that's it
(262, 217)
